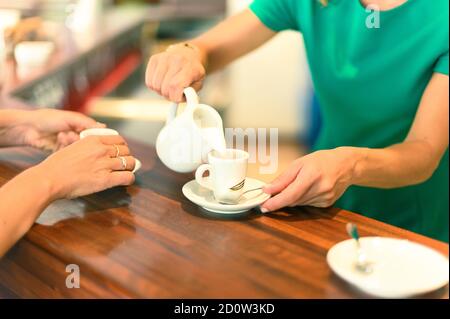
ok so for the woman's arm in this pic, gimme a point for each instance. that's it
(85, 167)
(414, 160)
(231, 39)
(82, 168)
(8, 120)
(16, 214)
(182, 65)
(320, 178)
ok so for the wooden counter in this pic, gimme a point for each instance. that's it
(148, 240)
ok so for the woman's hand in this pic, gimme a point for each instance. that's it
(54, 129)
(170, 72)
(317, 179)
(182, 65)
(87, 166)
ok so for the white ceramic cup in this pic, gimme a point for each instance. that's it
(227, 171)
(98, 132)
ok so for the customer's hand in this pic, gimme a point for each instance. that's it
(50, 129)
(87, 166)
(317, 179)
(170, 72)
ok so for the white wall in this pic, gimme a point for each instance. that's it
(270, 86)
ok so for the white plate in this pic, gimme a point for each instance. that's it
(400, 268)
(137, 166)
(205, 198)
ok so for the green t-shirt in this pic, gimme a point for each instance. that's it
(369, 82)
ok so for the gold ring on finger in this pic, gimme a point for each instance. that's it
(117, 150)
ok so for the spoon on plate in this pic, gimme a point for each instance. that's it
(251, 190)
(362, 264)
(247, 191)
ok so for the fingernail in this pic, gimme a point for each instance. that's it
(264, 210)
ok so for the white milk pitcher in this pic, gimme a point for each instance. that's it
(184, 143)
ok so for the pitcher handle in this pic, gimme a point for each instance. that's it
(191, 97)
(191, 102)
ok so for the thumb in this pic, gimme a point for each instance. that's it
(79, 122)
(197, 86)
(66, 138)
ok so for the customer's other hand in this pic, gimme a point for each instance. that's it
(50, 129)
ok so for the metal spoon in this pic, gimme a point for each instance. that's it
(251, 190)
(361, 264)
(247, 191)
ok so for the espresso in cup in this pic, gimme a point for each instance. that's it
(227, 171)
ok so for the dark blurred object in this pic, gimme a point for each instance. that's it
(84, 65)
(137, 1)
(314, 123)
(189, 18)
(184, 28)
(197, 8)
(184, 8)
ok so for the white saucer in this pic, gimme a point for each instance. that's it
(401, 268)
(137, 166)
(205, 198)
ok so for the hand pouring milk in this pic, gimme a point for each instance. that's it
(185, 141)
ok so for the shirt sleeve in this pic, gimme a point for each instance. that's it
(441, 65)
(277, 15)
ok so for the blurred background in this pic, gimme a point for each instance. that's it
(90, 56)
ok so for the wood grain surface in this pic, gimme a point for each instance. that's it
(149, 241)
